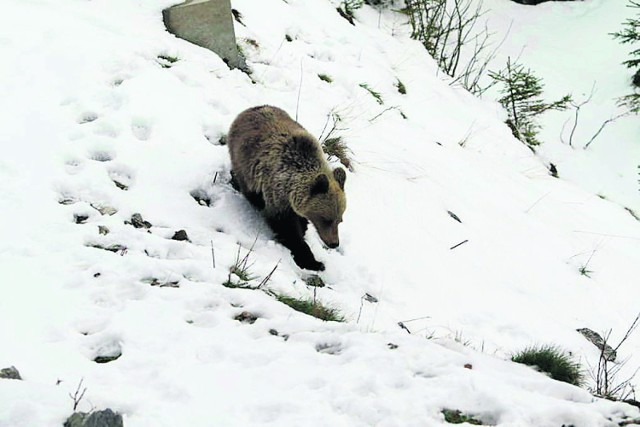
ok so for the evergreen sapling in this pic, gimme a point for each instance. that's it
(522, 91)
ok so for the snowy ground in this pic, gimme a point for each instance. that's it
(569, 45)
(86, 103)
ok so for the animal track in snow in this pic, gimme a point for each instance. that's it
(141, 129)
(101, 155)
(87, 117)
(73, 166)
(122, 177)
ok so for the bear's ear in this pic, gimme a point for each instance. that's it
(320, 185)
(340, 175)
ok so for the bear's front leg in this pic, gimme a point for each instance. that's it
(289, 232)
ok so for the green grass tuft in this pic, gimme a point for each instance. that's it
(373, 93)
(241, 270)
(552, 360)
(336, 147)
(457, 417)
(166, 61)
(585, 271)
(401, 88)
(311, 307)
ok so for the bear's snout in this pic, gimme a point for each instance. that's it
(333, 245)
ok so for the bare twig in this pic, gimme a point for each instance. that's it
(213, 255)
(268, 276)
(299, 90)
(537, 201)
(395, 107)
(78, 395)
(605, 373)
(605, 123)
(577, 107)
(459, 244)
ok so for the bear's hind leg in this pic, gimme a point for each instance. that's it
(289, 232)
(255, 199)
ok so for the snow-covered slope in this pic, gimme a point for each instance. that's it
(86, 102)
(569, 45)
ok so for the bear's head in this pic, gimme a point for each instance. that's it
(325, 205)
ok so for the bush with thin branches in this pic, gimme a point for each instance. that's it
(448, 30)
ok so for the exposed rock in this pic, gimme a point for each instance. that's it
(108, 352)
(104, 209)
(121, 185)
(392, 346)
(137, 221)
(111, 248)
(181, 235)
(107, 359)
(67, 201)
(166, 284)
(273, 332)
(246, 317)
(454, 216)
(80, 218)
(201, 197)
(76, 420)
(10, 373)
(103, 230)
(106, 418)
(370, 298)
(595, 338)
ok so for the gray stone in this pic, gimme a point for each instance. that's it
(104, 209)
(246, 317)
(75, 420)
(180, 235)
(10, 373)
(595, 338)
(206, 23)
(106, 418)
(138, 222)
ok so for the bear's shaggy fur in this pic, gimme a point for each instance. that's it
(281, 169)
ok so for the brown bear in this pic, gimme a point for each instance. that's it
(281, 169)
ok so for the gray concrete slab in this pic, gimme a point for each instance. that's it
(206, 23)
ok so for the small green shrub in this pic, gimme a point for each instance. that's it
(311, 307)
(325, 77)
(166, 61)
(457, 417)
(552, 360)
(630, 34)
(522, 99)
(373, 93)
(401, 88)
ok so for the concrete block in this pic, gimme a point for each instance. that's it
(207, 23)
